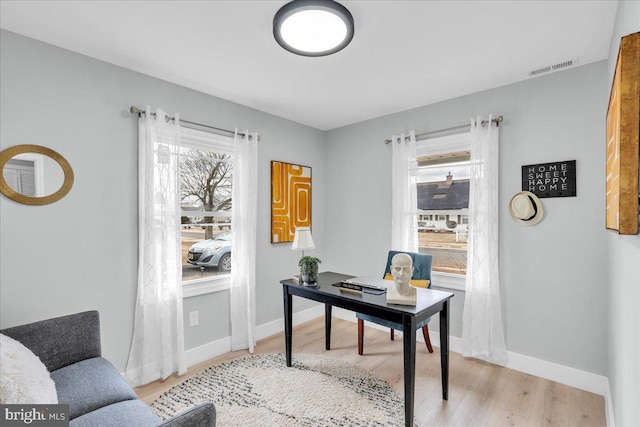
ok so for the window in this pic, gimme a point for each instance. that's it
(443, 205)
(206, 166)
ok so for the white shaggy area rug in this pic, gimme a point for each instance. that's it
(261, 391)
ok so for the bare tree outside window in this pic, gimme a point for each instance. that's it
(206, 176)
(206, 204)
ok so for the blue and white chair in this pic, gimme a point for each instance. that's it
(422, 264)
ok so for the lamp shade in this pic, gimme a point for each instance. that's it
(302, 239)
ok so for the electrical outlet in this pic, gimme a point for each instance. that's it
(194, 318)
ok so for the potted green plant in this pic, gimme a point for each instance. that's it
(309, 270)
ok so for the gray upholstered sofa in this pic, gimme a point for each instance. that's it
(98, 396)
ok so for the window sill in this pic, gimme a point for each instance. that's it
(193, 288)
(449, 281)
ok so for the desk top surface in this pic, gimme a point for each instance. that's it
(426, 297)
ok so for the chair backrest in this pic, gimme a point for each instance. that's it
(422, 264)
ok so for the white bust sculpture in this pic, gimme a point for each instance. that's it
(401, 292)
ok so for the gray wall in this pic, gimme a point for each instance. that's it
(623, 278)
(552, 274)
(81, 252)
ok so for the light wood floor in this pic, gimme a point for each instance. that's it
(480, 394)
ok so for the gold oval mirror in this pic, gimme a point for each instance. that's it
(34, 175)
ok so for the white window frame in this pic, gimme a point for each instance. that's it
(194, 138)
(440, 145)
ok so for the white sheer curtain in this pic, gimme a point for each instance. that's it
(404, 199)
(243, 256)
(157, 348)
(482, 330)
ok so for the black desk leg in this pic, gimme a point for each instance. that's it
(287, 323)
(444, 349)
(409, 341)
(327, 326)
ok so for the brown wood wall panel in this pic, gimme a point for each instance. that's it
(623, 132)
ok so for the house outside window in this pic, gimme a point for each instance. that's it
(206, 167)
(443, 206)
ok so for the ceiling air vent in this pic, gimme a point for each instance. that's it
(554, 67)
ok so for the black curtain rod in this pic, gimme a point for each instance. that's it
(425, 135)
(138, 111)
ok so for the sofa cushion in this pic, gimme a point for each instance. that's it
(89, 385)
(23, 377)
(61, 341)
(130, 413)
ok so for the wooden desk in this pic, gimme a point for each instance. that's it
(429, 303)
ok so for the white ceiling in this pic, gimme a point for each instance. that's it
(404, 54)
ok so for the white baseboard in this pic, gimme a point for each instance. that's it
(216, 348)
(277, 326)
(208, 351)
(572, 377)
(577, 378)
(583, 380)
(608, 406)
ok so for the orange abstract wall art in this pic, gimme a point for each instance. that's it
(290, 200)
(623, 140)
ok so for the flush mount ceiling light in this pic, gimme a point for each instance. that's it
(313, 27)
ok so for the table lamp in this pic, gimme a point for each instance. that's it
(302, 240)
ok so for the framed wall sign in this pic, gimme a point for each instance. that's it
(290, 200)
(557, 179)
(623, 129)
